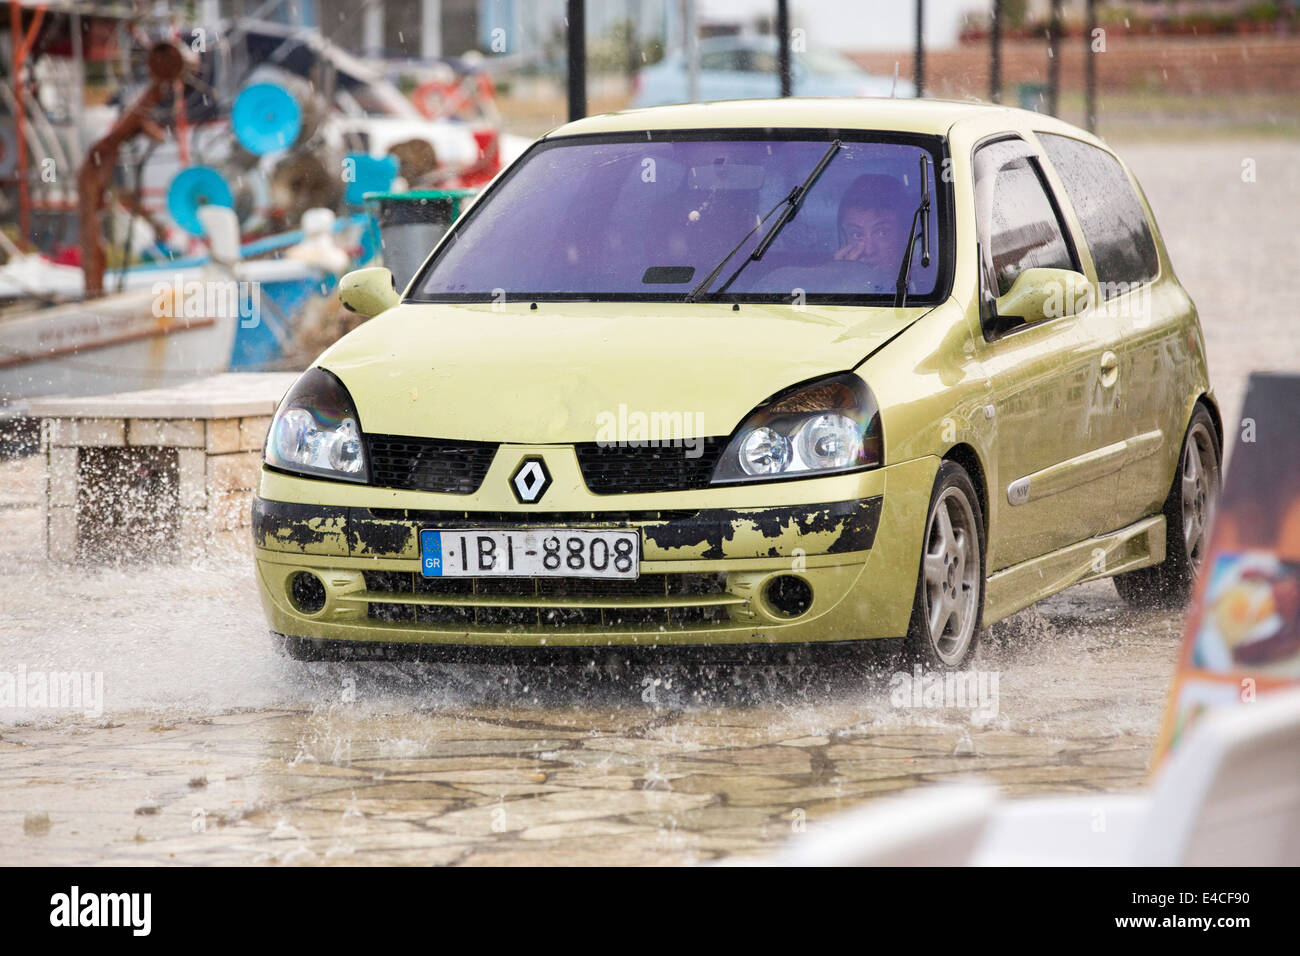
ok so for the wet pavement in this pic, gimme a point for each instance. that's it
(209, 748)
(498, 763)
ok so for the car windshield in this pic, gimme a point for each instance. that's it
(648, 216)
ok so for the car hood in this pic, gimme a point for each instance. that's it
(558, 372)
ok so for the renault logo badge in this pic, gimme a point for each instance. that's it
(530, 481)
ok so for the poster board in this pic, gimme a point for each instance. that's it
(1242, 636)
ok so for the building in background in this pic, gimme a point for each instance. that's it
(528, 29)
(844, 25)
(533, 30)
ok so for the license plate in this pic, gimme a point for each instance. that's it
(535, 552)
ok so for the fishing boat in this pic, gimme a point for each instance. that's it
(244, 133)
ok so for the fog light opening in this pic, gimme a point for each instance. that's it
(307, 592)
(788, 595)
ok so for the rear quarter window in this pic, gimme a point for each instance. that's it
(1114, 224)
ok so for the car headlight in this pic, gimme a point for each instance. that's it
(827, 426)
(316, 431)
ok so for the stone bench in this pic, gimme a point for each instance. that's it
(156, 474)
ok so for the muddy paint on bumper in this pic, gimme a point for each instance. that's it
(839, 527)
(860, 556)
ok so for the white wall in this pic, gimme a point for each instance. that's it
(854, 24)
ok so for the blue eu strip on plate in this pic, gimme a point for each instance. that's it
(431, 554)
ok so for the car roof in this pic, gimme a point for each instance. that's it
(932, 116)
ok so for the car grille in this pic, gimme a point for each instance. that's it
(619, 469)
(428, 464)
(458, 467)
(530, 604)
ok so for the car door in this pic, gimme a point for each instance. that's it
(1054, 384)
(1147, 309)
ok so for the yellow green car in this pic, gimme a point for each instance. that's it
(765, 372)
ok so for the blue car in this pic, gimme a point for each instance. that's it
(739, 68)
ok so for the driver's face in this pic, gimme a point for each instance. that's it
(873, 236)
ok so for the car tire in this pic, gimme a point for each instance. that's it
(1187, 510)
(949, 605)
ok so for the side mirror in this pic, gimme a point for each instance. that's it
(368, 291)
(1041, 294)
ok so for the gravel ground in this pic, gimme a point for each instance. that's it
(211, 749)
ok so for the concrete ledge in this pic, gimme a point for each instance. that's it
(180, 433)
(194, 449)
(232, 395)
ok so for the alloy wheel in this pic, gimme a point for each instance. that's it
(1199, 473)
(951, 573)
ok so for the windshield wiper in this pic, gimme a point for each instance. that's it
(922, 214)
(788, 206)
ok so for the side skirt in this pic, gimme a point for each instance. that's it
(1136, 546)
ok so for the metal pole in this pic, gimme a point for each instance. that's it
(20, 135)
(1054, 60)
(918, 68)
(633, 47)
(20, 52)
(431, 29)
(783, 46)
(577, 39)
(995, 54)
(690, 37)
(1090, 68)
(78, 101)
(372, 30)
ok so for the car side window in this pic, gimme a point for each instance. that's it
(1114, 223)
(1023, 230)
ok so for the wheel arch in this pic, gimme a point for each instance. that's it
(966, 456)
(1216, 416)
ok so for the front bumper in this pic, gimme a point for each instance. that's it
(706, 561)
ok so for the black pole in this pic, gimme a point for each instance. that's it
(577, 37)
(918, 68)
(995, 54)
(1090, 69)
(783, 46)
(1054, 60)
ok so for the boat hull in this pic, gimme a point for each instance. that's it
(113, 344)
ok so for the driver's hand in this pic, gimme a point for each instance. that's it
(850, 251)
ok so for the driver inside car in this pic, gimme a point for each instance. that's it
(873, 222)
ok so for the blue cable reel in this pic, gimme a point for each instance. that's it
(190, 190)
(265, 118)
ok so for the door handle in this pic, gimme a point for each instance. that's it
(1109, 369)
